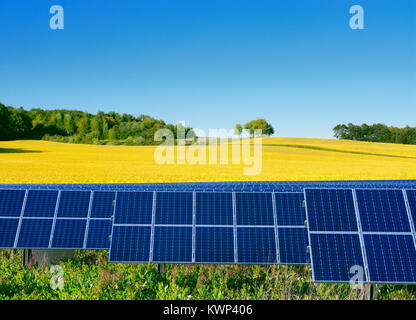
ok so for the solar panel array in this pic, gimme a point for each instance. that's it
(352, 230)
(361, 230)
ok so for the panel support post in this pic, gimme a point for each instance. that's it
(26, 257)
(45, 257)
(161, 268)
(369, 292)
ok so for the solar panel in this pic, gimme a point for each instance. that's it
(134, 208)
(174, 208)
(254, 209)
(214, 245)
(8, 229)
(214, 208)
(99, 232)
(336, 256)
(382, 211)
(41, 203)
(74, 204)
(256, 245)
(11, 202)
(330, 210)
(293, 246)
(130, 244)
(411, 197)
(102, 204)
(172, 245)
(290, 209)
(35, 233)
(391, 258)
(69, 233)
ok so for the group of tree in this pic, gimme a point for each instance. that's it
(376, 133)
(259, 124)
(80, 127)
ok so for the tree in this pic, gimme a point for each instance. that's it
(83, 125)
(5, 121)
(238, 129)
(259, 124)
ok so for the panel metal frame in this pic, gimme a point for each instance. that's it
(360, 234)
(20, 219)
(193, 226)
(88, 220)
(409, 215)
(276, 232)
(58, 198)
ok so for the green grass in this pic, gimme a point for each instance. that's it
(90, 276)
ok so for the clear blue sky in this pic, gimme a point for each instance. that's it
(213, 63)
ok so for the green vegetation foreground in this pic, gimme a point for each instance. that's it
(89, 276)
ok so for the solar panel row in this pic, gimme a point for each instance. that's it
(231, 186)
(186, 227)
(174, 244)
(55, 219)
(80, 219)
(215, 208)
(361, 232)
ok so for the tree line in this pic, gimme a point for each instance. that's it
(80, 127)
(375, 133)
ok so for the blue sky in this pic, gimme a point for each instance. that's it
(213, 63)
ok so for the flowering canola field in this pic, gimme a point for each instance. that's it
(28, 161)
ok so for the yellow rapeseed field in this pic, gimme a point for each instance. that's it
(283, 159)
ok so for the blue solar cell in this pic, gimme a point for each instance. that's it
(336, 257)
(390, 258)
(330, 210)
(382, 211)
(69, 233)
(8, 228)
(174, 208)
(214, 208)
(11, 202)
(214, 245)
(99, 232)
(289, 209)
(256, 245)
(102, 204)
(130, 244)
(411, 197)
(172, 244)
(134, 208)
(293, 246)
(254, 209)
(35, 233)
(41, 203)
(74, 204)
